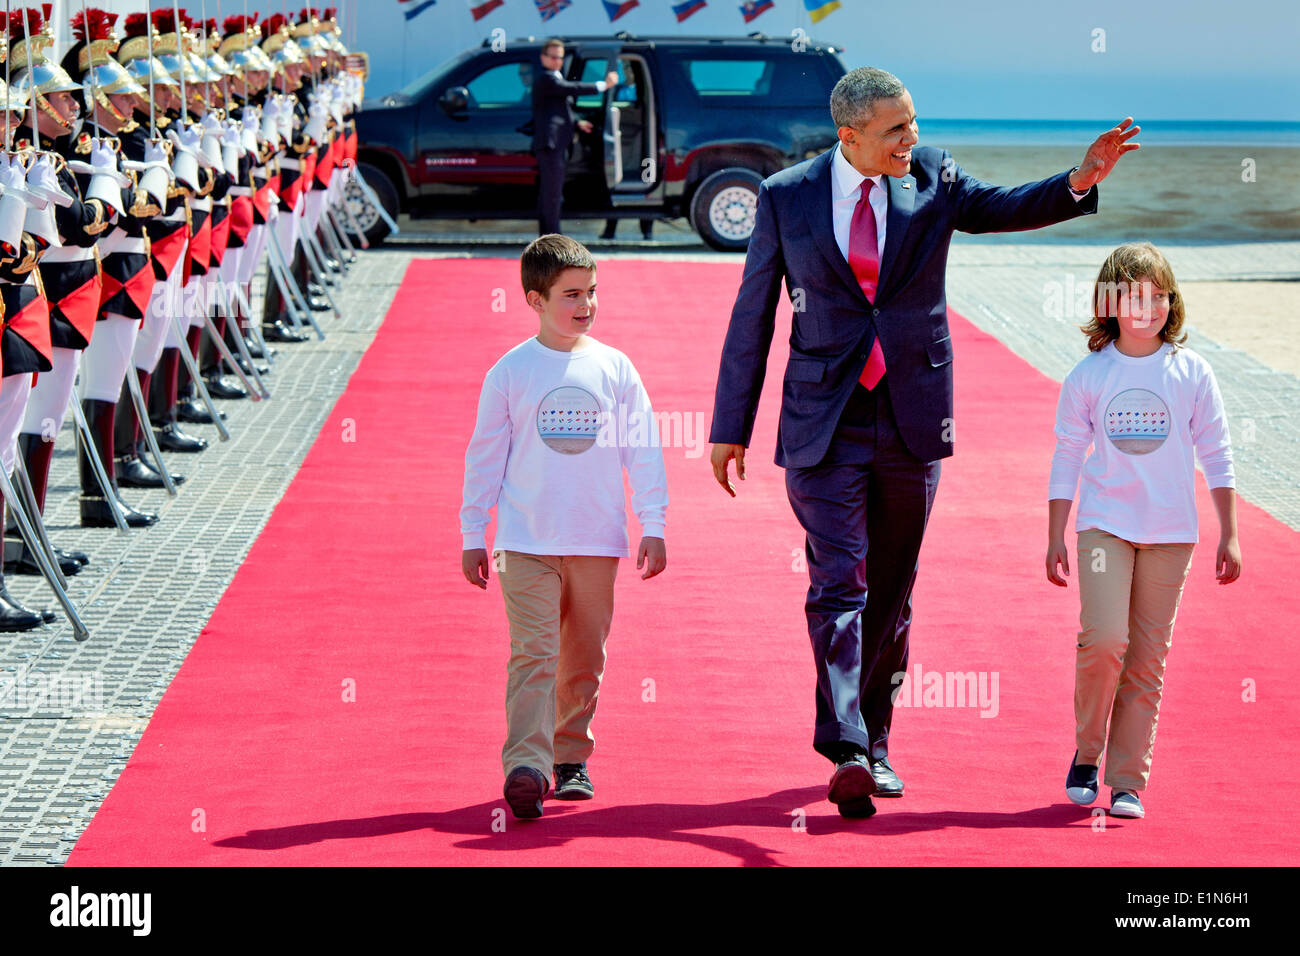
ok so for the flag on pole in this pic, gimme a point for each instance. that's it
(616, 8)
(752, 9)
(687, 7)
(419, 7)
(481, 8)
(821, 8)
(549, 8)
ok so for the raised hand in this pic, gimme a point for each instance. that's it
(1103, 154)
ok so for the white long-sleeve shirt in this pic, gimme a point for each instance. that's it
(1145, 419)
(554, 433)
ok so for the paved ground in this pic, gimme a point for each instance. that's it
(148, 593)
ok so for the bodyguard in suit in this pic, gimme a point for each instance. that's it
(553, 125)
(860, 236)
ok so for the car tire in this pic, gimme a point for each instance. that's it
(722, 209)
(366, 216)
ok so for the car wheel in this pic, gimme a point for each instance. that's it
(363, 211)
(723, 208)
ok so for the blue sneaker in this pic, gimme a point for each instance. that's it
(1081, 784)
(1126, 804)
(572, 782)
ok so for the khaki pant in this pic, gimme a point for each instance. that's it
(559, 609)
(1129, 595)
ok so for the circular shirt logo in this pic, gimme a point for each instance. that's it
(569, 419)
(1137, 421)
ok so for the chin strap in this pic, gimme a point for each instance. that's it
(102, 99)
(44, 106)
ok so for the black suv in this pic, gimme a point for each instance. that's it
(693, 127)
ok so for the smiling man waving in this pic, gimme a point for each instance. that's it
(860, 236)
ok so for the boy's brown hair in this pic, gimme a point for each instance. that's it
(1127, 266)
(546, 257)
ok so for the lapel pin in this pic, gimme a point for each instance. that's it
(906, 185)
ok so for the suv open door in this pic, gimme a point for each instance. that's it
(630, 131)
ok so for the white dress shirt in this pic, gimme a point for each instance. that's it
(846, 190)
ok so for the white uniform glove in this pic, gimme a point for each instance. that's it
(44, 181)
(231, 149)
(271, 122)
(317, 117)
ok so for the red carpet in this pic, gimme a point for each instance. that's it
(261, 753)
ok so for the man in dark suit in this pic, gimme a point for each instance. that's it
(860, 235)
(553, 125)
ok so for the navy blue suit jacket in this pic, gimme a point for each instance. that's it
(553, 117)
(794, 240)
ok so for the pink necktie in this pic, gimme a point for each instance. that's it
(864, 260)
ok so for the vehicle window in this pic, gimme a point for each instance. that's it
(729, 77)
(504, 86)
(416, 87)
(792, 80)
(626, 92)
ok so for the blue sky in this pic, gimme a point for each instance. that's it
(1010, 59)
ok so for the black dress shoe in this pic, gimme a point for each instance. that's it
(18, 560)
(95, 513)
(136, 473)
(248, 369)
(80, 557)
(857, 809)
(171, 438)
(218, 387)
(279, 332)
(15, 617)
(318, 304)
(852, 780)
(194, 412)
(887, 782)
(256, 351)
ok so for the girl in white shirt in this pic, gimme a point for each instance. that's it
(1148, 406)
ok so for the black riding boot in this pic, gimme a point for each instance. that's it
(95, 510)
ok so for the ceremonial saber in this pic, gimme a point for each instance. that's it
(29, 498)
(28, 533)
(142, 413)
(31, 108)
(180, 56)
(220, 343)
(371, 198)
(203, 23)
(96, 464)
(8, 89)
(277, 256)
(242, 346)
(90, 62)
(148, 32)
(192, 367)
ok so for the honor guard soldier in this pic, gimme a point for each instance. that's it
(84, 209)
(110, 95)
(25, 340)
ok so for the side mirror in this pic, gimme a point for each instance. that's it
(455, 100)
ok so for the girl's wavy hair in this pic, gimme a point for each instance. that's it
(1127, 265)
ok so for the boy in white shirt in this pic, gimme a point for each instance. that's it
(542, 453)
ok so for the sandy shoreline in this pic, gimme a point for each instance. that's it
(1164, 192)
